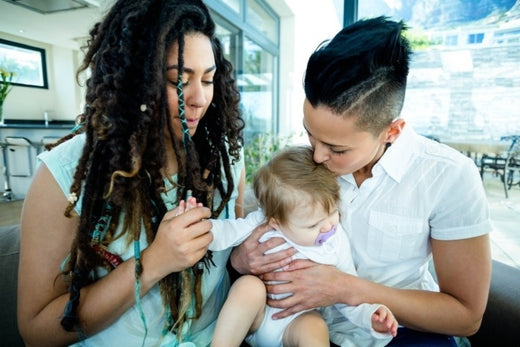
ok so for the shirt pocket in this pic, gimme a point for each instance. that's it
(394, 237)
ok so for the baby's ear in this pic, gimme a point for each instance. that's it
(274, 223)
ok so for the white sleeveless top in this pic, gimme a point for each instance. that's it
(129, 329)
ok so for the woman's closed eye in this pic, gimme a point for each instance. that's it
(174, 82)
(331, 147)
(338, 152)
(187, 82)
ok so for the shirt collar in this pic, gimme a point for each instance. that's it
(397, 158)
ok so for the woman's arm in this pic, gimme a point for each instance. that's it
(463, 269)
(239, 203)
(46, 238)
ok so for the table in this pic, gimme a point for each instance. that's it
(475, 147)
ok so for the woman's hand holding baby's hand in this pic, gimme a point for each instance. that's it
(181, 241)
(250, 256)
(383, 321)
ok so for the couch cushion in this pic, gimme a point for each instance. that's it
(9, 251)
(500, 323)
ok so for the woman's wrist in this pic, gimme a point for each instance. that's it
(236, 264)
(151, 270)
(350, 290)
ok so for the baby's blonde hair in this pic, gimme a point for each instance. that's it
(291, 177)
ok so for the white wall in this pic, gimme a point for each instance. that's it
(304, 25)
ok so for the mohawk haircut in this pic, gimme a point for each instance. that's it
(361, 72)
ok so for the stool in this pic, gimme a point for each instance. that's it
(17, 161)
(45, 141)
(19, 156)
(8, 193)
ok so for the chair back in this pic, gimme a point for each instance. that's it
(512, 164)
(506, 166)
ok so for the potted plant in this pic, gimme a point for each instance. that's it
(5, 88)
(257, 151)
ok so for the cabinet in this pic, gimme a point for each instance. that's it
(21, 160)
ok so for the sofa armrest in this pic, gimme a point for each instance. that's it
(502, 316)
(9, 253)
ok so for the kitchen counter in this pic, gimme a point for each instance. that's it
(36, 124)
(36, 131)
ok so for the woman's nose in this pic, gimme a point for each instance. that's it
(195, 96)
(321, 153)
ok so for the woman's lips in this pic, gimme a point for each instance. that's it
(192, 121)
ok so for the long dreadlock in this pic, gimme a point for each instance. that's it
(119, 170)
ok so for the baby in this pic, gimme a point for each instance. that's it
(299, 199)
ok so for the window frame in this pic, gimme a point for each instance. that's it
(42, 64)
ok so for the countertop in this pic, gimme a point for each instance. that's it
(36, 124)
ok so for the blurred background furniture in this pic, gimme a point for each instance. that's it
(9, 252)
(17, 162)
(19, 156)
(46, 140)
(500, 323)
(8, 193)
(506, 165)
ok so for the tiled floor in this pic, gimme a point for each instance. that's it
(10, 211)
(505, 215)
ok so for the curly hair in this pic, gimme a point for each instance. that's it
(120, 167)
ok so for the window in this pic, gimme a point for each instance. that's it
(256, 89)
(464, 83)
(451, 40)
(27, 63)
(229, 37)
(233, 4)
(475, 38)
(249, 40)
(258, 17)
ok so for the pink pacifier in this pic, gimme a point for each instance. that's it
(322, 237)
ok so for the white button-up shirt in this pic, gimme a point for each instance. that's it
(419, 189)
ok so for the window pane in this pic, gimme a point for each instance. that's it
(26, 62)
(261, 20)
(234, 4)
(256, 90)
(464, 80)
(229, 40)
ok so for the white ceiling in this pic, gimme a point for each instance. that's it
(59, 28)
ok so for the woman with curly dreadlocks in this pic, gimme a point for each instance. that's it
(105, 256)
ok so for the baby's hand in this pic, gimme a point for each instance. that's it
(187, 205)
(191, 202)
(383, 321)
